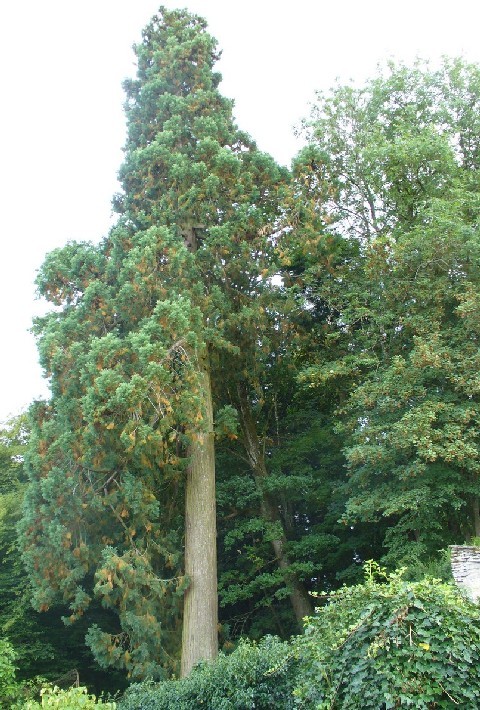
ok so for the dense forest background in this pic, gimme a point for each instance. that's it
(308, 338)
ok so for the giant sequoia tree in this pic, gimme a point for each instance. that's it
(125, 444)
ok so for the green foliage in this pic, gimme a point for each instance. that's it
(42, 645)
(381, 644)
(71, 699)
(305, 471)
(388, 643)
(9, 688)
(175, 278)
(253, 676)
(346, 393)
(388, 194)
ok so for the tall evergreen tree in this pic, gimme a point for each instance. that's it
(127, 438)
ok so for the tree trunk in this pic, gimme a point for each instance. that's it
(299, 597)
(200, 611)
(476, 517)
(200, 615)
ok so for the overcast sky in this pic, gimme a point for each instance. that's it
(62, 123)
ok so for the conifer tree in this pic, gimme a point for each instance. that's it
(126, 441)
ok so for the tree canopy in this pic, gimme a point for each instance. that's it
(281, 364)
(393, 178)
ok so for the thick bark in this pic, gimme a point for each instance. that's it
(200, 611)
(200, 616)
(299, 597)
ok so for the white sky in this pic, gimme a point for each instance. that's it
(62, 123)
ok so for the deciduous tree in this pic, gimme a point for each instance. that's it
(390, 184)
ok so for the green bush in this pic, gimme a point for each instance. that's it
(386, 645)
(71, 699)
(383, 644)
(253, 676)
(9, 688)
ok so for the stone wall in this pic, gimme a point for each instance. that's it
(466, 569)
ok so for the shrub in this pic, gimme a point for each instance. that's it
(9, 688)
(71, 699)
(385, 645)
(253, 676)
